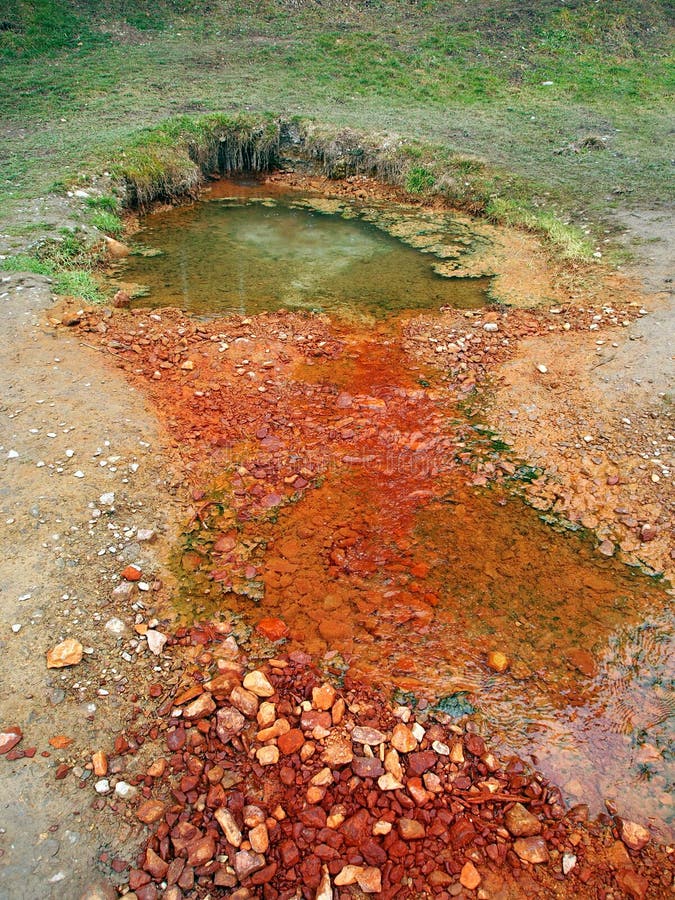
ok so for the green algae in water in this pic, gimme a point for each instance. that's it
(251, 256)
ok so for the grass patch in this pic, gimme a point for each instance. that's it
(80, 79)
(69, 262)
(107, 222)
(419, 180)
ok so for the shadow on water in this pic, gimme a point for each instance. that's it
(375, 549)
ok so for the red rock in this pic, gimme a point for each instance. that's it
(461, 832)
(245, 701)
(357, 828)
(402, 739)
(634, 836)
(469, 876)
(121, 300)
(137, 878)
(636, 886)
(175, 739)
(229, 723)
(201, 851)
(367, 767)
(200, 708)
(246, 863)
(273, 629)
(521, 822)
(264, 876)
(419, 763)
(147, 892)
(131, 573)
(323, 697)
(150, 811)
(410, 829)
(531, 849)
(10, 738)
(62, 771)
(290, 855)
(291, 741)
(60, 741)
(154, 864)
(583, 661)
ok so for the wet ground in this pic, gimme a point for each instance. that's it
(335, 491)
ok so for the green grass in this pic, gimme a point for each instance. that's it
(85, 85)
(68, 261)
(107, 222)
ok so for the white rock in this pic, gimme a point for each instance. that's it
(569, 861)
(145, 534)
(115, 626)
(490, 326)
(156, 641)
(125, 790)
(102, 786)
(542, 368)
(440, 748)
(12, 454)
(107, 499)
(418, 731)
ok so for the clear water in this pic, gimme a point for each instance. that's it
(248, 255)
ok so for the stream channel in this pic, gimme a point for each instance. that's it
(342, 508)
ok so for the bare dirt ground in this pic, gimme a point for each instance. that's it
(74, 432)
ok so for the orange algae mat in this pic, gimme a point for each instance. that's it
(336, 506)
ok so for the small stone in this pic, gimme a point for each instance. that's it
(490, 326)
(67, 653)
(367, 767)
(257, 683)
(542, 368)
(145, 535)
(347, 875)
(498, 661)
(267, 714)
(531, 849)
(156, 641)
(229, 826)
(247, 862)
(259, 838)
(402, 739)
(102, 786)
(411, 829)
(648, 533)
(150, 811)
(370, 880)
(634, 836)
(457, 753)
(583, 661)
(323, 697)
(440, 748)
(291, 741)
(131, 573)
(273, 629)
(382, 827)
(325, 888)
(469, 876)
(267, 756)
(245, 701)
(387, 782)
(115, 626)
(370, 736)
(100, 763)
(201, 851)
(125, 791)
(229, 723)
(569, 861)
(633, 884)
(521, 822)
(116, 249)
(99, 891)
(617, 856)
(200, 708)
(9, 739)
